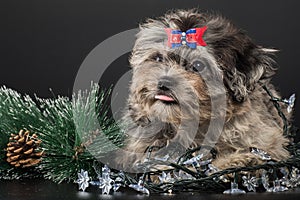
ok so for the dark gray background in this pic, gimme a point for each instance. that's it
(43, 42)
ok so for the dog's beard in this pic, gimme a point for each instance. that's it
(181, 101)
(173, 106)
(166, 107)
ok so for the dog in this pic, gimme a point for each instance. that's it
(210, 92)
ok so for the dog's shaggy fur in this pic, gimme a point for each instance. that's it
(250, 120)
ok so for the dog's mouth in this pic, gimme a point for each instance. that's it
(166, 98)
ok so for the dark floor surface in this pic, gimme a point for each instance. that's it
(41, 189)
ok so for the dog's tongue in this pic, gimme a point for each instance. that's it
(164, 98)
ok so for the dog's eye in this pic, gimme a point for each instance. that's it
(198, 66)
(158, 58)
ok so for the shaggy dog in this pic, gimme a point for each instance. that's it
(210, 95)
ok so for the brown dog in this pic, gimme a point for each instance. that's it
(211, 95)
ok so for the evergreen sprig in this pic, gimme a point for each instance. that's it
(70, 131)
(16, 112)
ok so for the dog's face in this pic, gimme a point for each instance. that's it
(172, 84)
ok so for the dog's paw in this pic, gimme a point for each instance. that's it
(236, 160)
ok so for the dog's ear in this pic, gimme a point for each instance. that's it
(244, 63)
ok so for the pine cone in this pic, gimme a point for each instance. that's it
(22, 149)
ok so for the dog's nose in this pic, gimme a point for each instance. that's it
(164, 83)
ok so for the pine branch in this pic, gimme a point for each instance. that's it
(79, 138)
(69, 130)
(16, 112)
